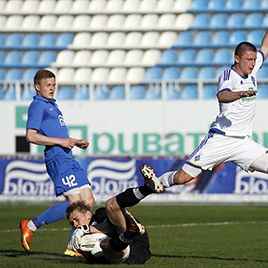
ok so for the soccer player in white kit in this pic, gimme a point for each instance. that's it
(229, 136)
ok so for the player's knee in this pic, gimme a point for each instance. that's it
(181, 177)
(112, 205)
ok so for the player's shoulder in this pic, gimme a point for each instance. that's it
(226, 74)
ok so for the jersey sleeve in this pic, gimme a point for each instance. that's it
(225, 83)
(259, 62)
(35, 116)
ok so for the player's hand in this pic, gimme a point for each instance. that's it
(247, 93)
(68, 143)
(83, 144)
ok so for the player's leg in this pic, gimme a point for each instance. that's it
(28, 227)
(260, 164)
(129, 198)
(209, 153)
(251, 156)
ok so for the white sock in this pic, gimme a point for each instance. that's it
(167, 179)
(31, 226)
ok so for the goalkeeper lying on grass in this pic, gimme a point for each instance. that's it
(112, 234)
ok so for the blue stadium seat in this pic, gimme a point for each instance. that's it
(65, 93)
(218, 21)
(47, 57)
(172, 92)
(253, 20)
(13, 59)
(238, 36)
(255, 37)
(237, 4)
(153, 73)
(189, 92)
(2, 92)
(217, 4)
(14, 40)
(262, 92)
(264, 4)
(252, 4)
(81, 93)
(13, 74)
(262, 72)
(236, 20)
(137, 92)
(10, 93)
(64, 40)
(30, 58)
(209, 92)
(48, 40)
(2, 40)
(223, 56)
(200, 4)
(221, 37)
(2, 74)
(187, 56)
(207, 73)
(2, 57)
(171, 73)
(201, 20)
(29, 74)
(205, 56)
(153, 93)
(31, 41)
(28, 93)
(185, 38)
(101, 93)
(265, 21)
(169, 56)
(203, 38)
(118, 93)
(189, 73)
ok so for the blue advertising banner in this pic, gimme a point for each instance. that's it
(27, 180)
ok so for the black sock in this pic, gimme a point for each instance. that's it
(117, 244)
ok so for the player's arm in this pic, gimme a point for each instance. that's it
(264, 45)
(33, 136)
(230, 96)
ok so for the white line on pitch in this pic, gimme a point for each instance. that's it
(193, 224)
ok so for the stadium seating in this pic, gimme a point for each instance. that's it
(137, 92)
(117, 93)
(133, 41)
(81, 93)
(65, 93)
(262, 92)
(189, 92)
(31, 41)
(209, 92)
(153, 92)
(154, 73)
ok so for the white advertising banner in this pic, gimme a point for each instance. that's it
(129, 127)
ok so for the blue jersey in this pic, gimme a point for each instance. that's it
(45, 117)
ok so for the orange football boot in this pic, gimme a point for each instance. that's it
(26, 235)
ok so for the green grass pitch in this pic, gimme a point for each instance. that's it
(180, 236)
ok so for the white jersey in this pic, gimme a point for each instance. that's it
(236, 118)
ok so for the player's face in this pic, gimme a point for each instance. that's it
(246, 62)
(78, 218)
(46, 88)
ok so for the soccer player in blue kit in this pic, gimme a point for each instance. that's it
(46, 126)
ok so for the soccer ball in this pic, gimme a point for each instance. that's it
(90, 243)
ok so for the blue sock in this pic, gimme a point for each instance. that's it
(54, 213)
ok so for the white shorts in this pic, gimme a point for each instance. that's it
(216, 149)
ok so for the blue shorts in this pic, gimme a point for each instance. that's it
(66, 173)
